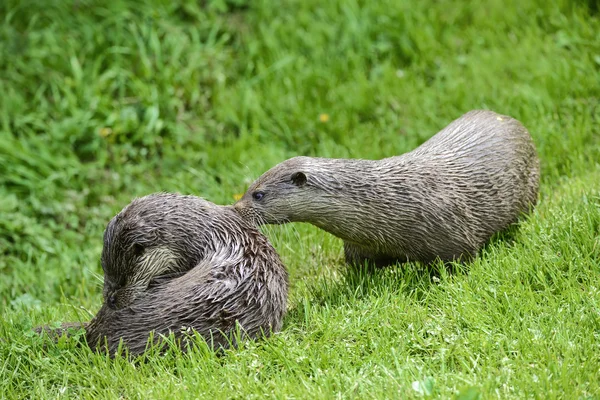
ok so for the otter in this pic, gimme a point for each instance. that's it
(179, 264)
(443, 200)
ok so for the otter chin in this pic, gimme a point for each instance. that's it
(443, 200)
(179, 265)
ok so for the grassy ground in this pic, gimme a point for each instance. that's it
(104, 101)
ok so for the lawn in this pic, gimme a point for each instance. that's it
(101, 102)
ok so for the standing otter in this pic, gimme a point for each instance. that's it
(444, 199)
(175, 263)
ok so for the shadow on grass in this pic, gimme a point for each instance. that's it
(506, 237)
(357, 283)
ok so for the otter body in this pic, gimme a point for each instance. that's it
(178, 264)
(444, 199)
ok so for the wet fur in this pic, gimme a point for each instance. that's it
(443, 200)
(212, 273)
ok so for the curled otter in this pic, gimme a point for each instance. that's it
(443, 200)
(178, 264)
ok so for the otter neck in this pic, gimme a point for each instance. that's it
(357, 200)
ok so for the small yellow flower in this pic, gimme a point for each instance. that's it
(105, 132)
(499, 118)
(324, 118)
(237, 196)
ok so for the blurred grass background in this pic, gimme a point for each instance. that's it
(101, 102)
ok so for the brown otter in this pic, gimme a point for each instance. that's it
(176, 263)
(444, 199)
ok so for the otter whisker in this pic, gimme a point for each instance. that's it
(99, 279)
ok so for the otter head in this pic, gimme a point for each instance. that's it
(153, 239)
(285, 193)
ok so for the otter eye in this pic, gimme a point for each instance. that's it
(137, 249)
(258, 195)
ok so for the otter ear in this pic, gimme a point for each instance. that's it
(299, 179)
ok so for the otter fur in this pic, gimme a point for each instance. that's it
(443, 200)
(179, 264)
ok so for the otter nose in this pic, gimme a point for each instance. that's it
(111, 300)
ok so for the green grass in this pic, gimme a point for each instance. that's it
(104, 101)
